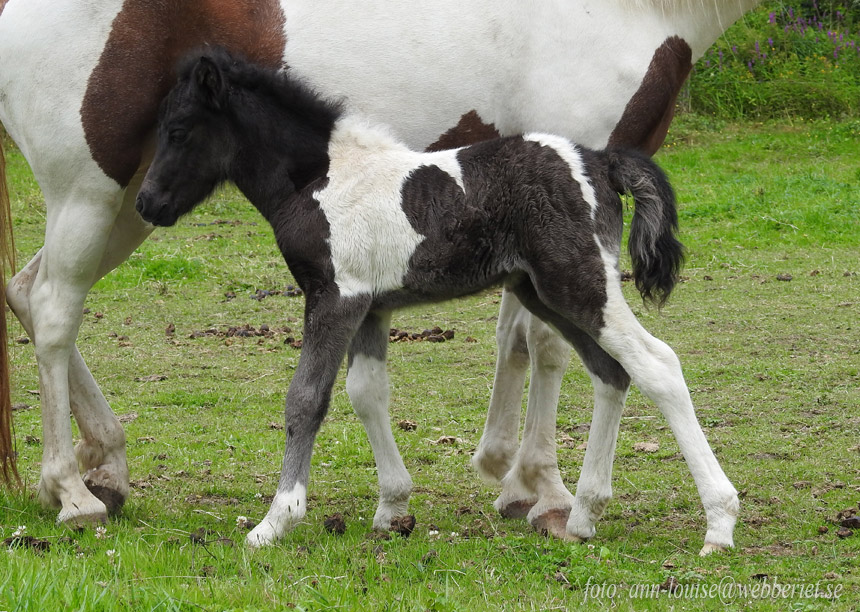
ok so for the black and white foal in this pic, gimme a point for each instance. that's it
(367, 225)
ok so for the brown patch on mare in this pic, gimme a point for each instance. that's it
(2, 5)
(649, 112)
(469, 130)
(137, 67)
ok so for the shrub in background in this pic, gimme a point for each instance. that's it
(783, 60)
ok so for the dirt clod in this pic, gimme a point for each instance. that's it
(24, 541)
(335, 524)
(436, 334)
(407, 425)
(151, 378)
(852, 522)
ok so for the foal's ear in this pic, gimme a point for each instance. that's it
(210, 82)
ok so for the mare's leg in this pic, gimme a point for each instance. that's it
(330, 323)
(367, 385)
(557, 511)
(533, 486)
(498, 444)
(523, 340)
(48, 297)
(101, 450)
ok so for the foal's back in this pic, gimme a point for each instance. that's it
(408, 226)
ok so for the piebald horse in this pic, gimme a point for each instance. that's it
(80, 85)
(367, 225)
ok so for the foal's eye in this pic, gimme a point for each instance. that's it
(177, 136)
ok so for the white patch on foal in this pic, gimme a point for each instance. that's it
(371, 239)
(570, 154)
(287, 509)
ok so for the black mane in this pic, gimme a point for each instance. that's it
(279, 84)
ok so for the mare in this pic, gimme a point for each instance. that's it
(80, 84)
(367, 225)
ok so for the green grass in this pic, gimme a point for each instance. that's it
(783, 59)
(773, 367)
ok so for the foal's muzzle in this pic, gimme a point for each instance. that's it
(145, 206)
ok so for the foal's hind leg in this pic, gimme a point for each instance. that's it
(367, 385)
(557, 512)
(655, 369)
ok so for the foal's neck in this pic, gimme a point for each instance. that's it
(278, 158)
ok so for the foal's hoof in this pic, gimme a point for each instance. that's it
(516, 509)
(708, 548)
(554, 523)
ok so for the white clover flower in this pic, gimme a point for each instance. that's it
(111, 554)
(432, 533)
(20, 531)
(241, 521)
(101, 532)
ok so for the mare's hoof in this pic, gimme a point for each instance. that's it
(103, 485)
(111, 498)
(516, 510)
(554, 523)
(708, 548)
(84, 518)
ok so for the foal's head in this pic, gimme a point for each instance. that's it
(227, 119)
(195, 144)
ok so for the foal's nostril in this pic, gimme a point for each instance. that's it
(140, 204)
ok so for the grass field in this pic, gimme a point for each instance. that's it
(765, 323)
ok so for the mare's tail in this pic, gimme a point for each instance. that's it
(7, 256)
(656, 254)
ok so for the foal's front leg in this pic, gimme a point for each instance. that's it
(330, 323)
(367, 385)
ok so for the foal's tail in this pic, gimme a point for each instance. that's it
(654, 250)
(7, 256)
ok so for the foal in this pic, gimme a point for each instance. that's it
(367, 225)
